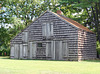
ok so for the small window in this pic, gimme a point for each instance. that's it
(47, 29)
(25, 36)
(39, 44)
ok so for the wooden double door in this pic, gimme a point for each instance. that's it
(54, 50)
(57, 49)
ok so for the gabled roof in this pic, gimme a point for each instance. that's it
(76, 24)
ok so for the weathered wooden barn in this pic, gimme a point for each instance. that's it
(53, 36)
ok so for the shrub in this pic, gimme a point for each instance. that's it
(98, 47)
(5, 52)
(8, 51)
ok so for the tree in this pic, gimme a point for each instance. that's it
(19, 13)
(4, 38)
(88, 13)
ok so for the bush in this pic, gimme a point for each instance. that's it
(5, 52)
(98, 47)
(8, 52)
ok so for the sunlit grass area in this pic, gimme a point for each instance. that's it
(12, 66)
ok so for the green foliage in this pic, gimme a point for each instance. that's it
(4, 52)
(87, 12)
(20, 13)
(4, 37)
(98, 47)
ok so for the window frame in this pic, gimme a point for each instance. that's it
(39, 46)
(45, 31)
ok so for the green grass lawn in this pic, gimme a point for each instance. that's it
(11, 66)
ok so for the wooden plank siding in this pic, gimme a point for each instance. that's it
(63, 31)
(86, 45)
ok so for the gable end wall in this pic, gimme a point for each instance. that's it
(62, 30)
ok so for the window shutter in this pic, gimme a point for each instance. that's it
(48, 49)
(44, 29)
(65, 49)
(30, 52)
(34, 49)
(25, 51)
(51, 29)
(12, 51)
(25, 36)
(16, 50)
(48, 29)
(21, 51)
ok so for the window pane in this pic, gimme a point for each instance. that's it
(39, 44)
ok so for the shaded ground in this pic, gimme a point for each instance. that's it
(11, 66)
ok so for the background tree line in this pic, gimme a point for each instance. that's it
(20, 13)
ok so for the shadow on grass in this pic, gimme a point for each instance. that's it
(4, 57)
(97, 60)
(8, 57)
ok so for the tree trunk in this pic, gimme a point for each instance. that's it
(95, 21)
